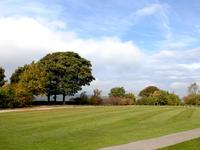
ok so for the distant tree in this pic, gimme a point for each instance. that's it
(173, 99)
(161, 97)
(2, 77)
(131, 96)
(96, 97)
(117, 92)
(15, 77)
(148, 91)
(83, 99)
(66, 72)
(193, 88)
(192, 99)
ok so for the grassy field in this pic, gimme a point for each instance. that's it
(91, 127)
(189, 145)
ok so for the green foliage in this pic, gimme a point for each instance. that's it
(160, 97)
(146, 101)
(12, 96)
(23, 97)
(7, 95)
(131, 96)
(174, 99)
(118, 96)
(66, 72)
(33, 79)
(117, 92)
(2, 76)
(148, 91)
(15, 77)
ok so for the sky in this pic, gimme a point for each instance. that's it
(130, 43)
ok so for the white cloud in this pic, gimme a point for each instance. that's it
(192, 66)
(115, 62)
(25, 39)
(149, 10)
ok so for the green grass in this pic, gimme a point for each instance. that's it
(91, 127)
(189, 145)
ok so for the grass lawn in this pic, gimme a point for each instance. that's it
(189, 145)
(88, 128)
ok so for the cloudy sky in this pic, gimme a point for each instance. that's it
(130, 43)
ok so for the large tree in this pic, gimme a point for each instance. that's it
(2, 77)
(148, 91)
(15, 77)
(66, 73)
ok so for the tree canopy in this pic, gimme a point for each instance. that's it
(66, 73)
(15, 77)
(2, 77)
(117, 92)
(146, 92)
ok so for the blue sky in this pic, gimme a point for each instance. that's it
(130, 43)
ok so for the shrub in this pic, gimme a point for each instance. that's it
(174, 99)
(82, 99)
(7, 95)
(160, 98)
(22, 97)
(96, 98)
(192, 99)
(14, 96)
(131, 96)
(147, 101)
(118, 101)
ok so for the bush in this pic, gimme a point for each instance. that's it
(82, 99)
(118, 101)
(131, 96)
(173, 99)
(7, 95)
(96, 98)
(192, 99)
(160, 98)
(22, 97)
(147, 101)
(14, 96)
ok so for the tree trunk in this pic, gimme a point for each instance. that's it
(48, 98)
(55, 97)
(64, 99)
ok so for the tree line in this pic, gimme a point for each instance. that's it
(65, 73)
(59, 73)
